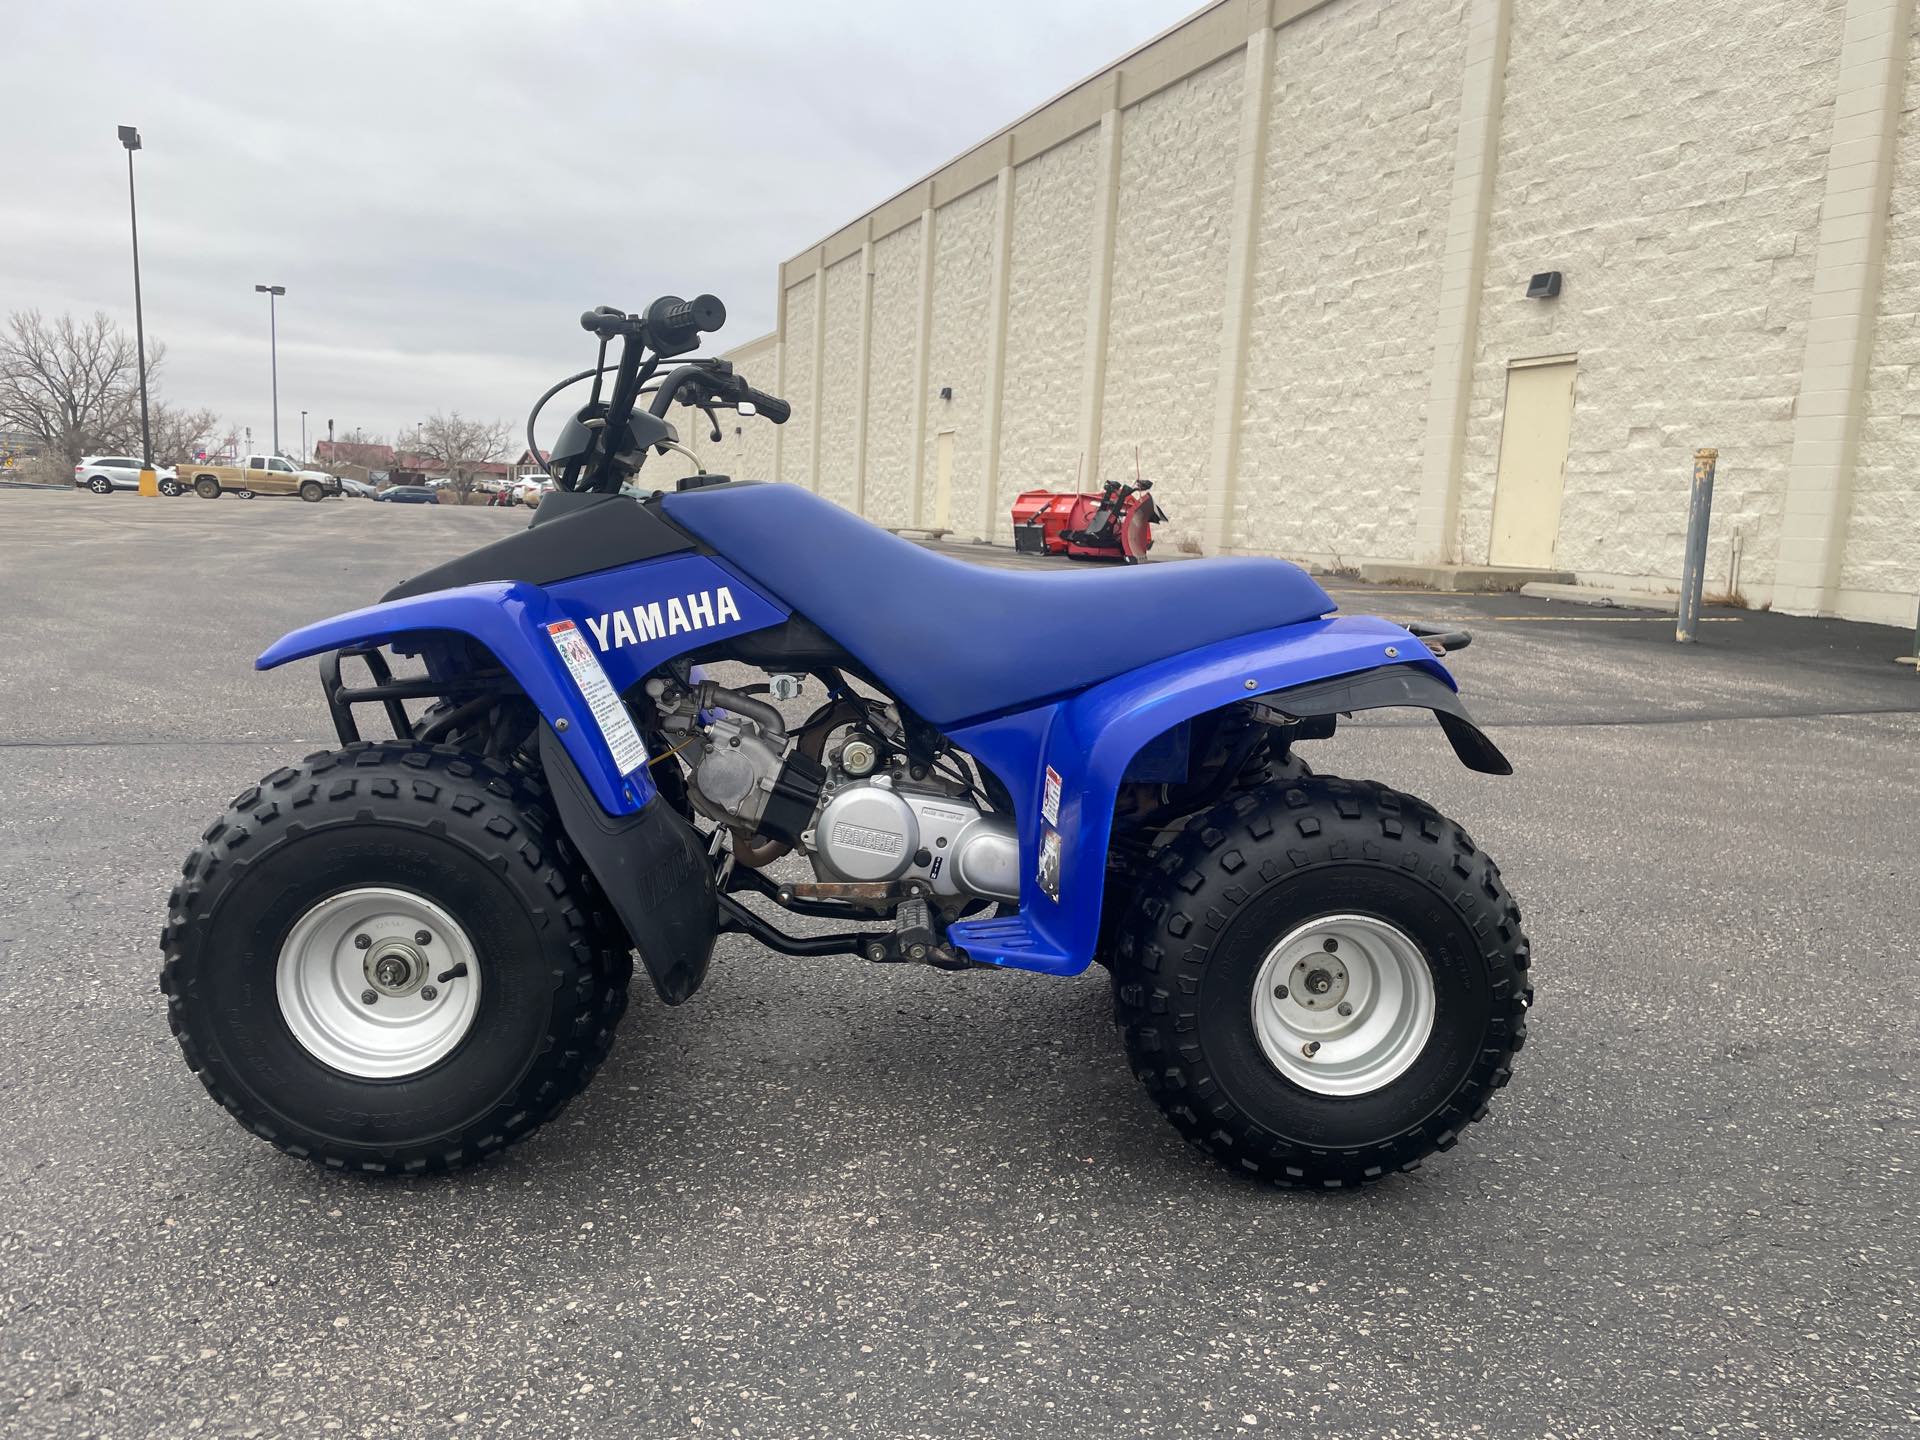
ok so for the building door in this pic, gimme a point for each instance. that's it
(1533, 462)
(943, 480)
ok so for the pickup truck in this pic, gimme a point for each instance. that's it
(259, 475)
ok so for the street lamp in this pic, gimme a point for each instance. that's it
(273, 292)
(303, 437)
(149, 482)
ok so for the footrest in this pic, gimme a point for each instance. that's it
(1010, 941)
(913, 933)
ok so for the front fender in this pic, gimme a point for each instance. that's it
(1064, 763)
(511, 621)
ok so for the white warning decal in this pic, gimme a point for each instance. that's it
(1050, 798)
(616, 726)
(1049, 869)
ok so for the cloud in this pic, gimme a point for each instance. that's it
(443, 187)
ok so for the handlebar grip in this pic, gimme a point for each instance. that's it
(671, 320)
(771, 406)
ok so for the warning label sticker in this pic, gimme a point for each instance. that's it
(1050, 798)
(616, 725)
(1049, 868)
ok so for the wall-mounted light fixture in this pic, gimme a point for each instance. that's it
(946, 392)
(1544, 286)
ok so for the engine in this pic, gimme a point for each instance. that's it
(860, 816)
(743, 773)
(889, 828)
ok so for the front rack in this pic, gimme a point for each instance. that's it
(388, 692)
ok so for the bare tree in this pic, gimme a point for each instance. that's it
(74, 386)
(177, 433)
(459, 446)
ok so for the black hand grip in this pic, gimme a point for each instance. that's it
(771, 406)
(671, 320)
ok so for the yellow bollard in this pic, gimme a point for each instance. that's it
(149, 482)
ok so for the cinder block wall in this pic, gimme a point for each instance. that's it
(1280, 253)
(1671, 164)
(1883, 526)
(1050, 259)
(1349, 257)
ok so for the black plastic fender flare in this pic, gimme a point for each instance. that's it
(654, 870)
(1397, 685)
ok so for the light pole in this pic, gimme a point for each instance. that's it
(273, 292)
(149, 483)
(303, 437)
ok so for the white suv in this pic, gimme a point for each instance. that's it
(104, 474)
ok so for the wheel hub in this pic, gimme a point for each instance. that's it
(1318, 983)
(1343, 1005)
(395, 968)
(356, 984)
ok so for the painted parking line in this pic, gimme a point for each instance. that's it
(1610, 619)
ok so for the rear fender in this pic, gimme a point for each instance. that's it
(1063, 763)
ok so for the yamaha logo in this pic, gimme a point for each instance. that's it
(641, 623)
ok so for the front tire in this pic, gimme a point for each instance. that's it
(1322, 982)
(244, 494)
(170, 488)
(312, 492)
(314, 891)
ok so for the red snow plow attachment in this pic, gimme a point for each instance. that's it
(1116, 524)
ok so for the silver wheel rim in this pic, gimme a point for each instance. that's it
(1343, 1005)
(366, 942)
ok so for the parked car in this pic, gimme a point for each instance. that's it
(410, 495)
(357, 489)
(104, 474)
(260, 475)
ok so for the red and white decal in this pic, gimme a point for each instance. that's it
(616, 725)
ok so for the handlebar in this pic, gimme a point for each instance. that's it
(771, 406)
(674, 324)
(713, 382)
(670, 326)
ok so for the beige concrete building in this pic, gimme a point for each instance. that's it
(1281, 255)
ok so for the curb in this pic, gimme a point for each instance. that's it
(1610, 599)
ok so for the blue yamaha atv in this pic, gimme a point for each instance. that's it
(405, 954)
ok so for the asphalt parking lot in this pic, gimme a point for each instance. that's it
(829, 1200)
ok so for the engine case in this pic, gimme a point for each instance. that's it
(880, 831)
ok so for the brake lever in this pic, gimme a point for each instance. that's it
(713, 421)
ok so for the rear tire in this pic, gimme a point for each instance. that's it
(244, 494)
(433, 831)
(1434, 986)
(100, 485)
(207, 488)
(312, 492)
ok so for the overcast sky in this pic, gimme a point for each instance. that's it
(443, 187)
